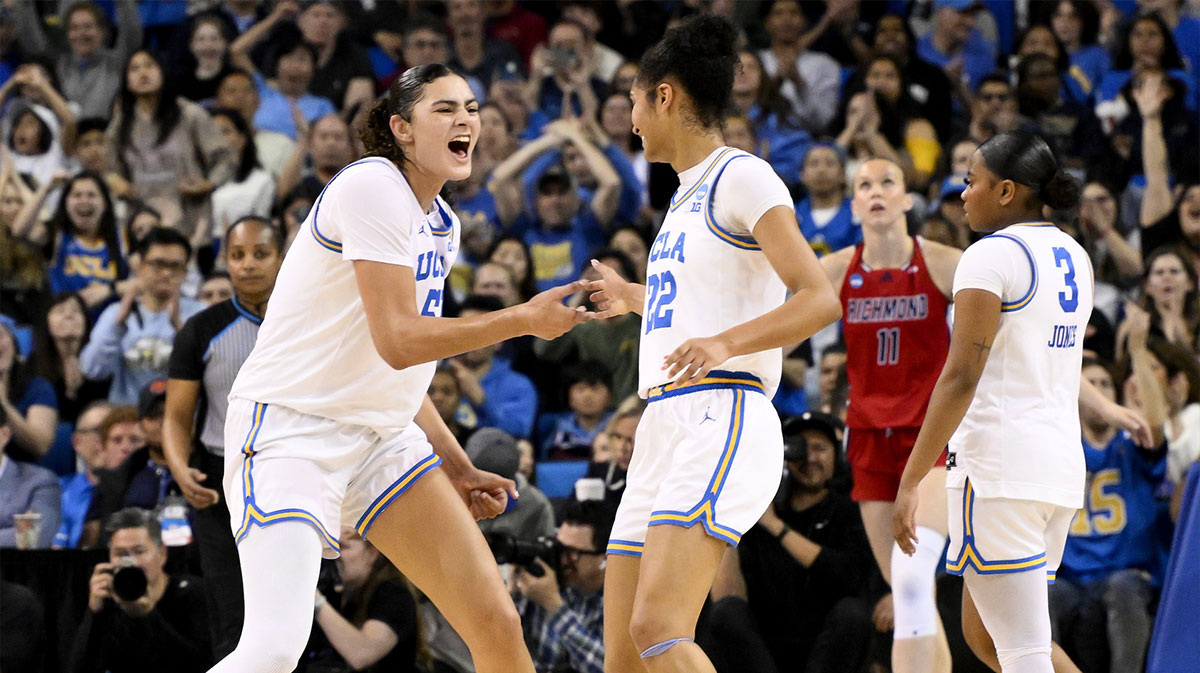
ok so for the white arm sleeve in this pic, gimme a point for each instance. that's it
(746, 190)
(998, 264)
(372, 212)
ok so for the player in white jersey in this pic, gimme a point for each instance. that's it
(1007, 404)
(714, 318)
(329, 413)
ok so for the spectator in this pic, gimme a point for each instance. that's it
(39, 126)
(495, 280)
(563, 612)
(342, 72)
(251, 190)
(89, 72)
(520, 27)
(1178, 375)
(956, 45)
(824, 214)
(1185, 28)
(27, 489)
(1164, 220)
(290, 67)
(508, 92)
(613, 449)
(23, 277)
(150, 482)
(85, 254)
(59, 337)
(121, 436)
(531, 516)
(216, 288)
(326, 146)
(206, 356)
(928, 86)
(777, 130)
(562, 72)
(1115, 260)
(1104, 585)
(28, 401)
(993, 109)
(294, 208)
(206, 61)
(376, 626)
(587, 14)
(78, 489)
(793, 589)
(132, 339)
(1169, 295)
(1070, 128)
(808, 79)
(1076, 24)
(512, 253)
(1039, 38)
(164, 629)
(140, 219)
(237, 91)
(168, 148)
(23, 628)
(589, 404)
(632, 242)
(91, 153)
(473, 54)
(830, 374)
(500, 397)
(446, 395)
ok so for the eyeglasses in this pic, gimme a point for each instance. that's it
(166, 265)
(576, 552)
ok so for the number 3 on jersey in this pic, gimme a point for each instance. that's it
(662, 292)
(1069, 300)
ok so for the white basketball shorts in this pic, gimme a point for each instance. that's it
(290, 466)
(1002, 535)
(709, 453)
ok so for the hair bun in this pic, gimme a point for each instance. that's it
(1062, 191)
(708, 36)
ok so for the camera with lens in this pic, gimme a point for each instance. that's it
(525, 553)
(795, 449)
(129, 581)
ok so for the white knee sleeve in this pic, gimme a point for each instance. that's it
(280, 564)
(913, 599)
(1015, 610)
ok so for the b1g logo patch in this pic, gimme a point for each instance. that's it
(856, 281)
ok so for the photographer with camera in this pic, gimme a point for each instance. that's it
(559, 590)
(139, 618)
(791, 596)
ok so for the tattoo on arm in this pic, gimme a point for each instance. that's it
(981, 350)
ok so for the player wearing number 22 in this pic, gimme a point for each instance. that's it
(1008, 396)
(715, 315)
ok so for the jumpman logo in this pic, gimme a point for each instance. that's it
(706, 416)
(421, 231)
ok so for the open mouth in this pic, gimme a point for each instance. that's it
(460, 146)
(878, 208)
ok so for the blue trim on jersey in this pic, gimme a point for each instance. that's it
(705, 511)
(254, 515)
(208, 348)
(324, 241)
(245, 313)
(445, 231)
(1009, 307)
(675, 203)
(717, 379)
(969, 556)
(739, 242)
(625, 547)
(394, 491)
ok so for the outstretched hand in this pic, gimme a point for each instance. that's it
(548, 318)
(610, 293)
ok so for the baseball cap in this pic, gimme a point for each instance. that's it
(952, 186)
(957, 5)
(554, 176)
(494, 450)
(826, 424)
(151, 395)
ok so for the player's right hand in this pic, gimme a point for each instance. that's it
(904, 520)
(548, 318)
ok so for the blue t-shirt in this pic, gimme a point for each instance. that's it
(1088, 67)
(840, 232)
(629, 201)
(979, 56)
(782, 145)
(79, 264)
(559, 255)
(76, 501)
(568, 439)
(275, 111)
(511, 400)
(1118, 527)
(1110, 87)
(477, 210)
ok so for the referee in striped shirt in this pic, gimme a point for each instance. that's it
(209, 350)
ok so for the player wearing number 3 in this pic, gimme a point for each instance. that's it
(1006, 402)
(714, 318)
(895, 289)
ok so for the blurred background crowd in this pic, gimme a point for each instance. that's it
(158, 158)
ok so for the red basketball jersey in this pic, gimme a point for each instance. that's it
(896, 341)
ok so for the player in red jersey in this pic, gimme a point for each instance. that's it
(895, 290)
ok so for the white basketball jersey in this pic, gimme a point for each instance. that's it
(314, 352)
(705, 274)
(1020, 437)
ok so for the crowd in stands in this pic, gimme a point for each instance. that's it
(158, 158)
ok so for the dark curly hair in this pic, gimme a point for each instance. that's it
(402, 95)
(701, 54)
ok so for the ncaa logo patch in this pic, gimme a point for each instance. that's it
(856, 281)
(701, 192)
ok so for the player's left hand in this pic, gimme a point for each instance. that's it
(484, 493)
(904, 520)
(695, 358)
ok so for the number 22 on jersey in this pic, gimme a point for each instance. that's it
(662, 289)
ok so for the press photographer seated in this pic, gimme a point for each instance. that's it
(139, 618)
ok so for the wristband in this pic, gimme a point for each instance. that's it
(782, 532)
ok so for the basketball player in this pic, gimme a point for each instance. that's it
(895, 290)
(714, 319)
(328, 419)
(1006, 402)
